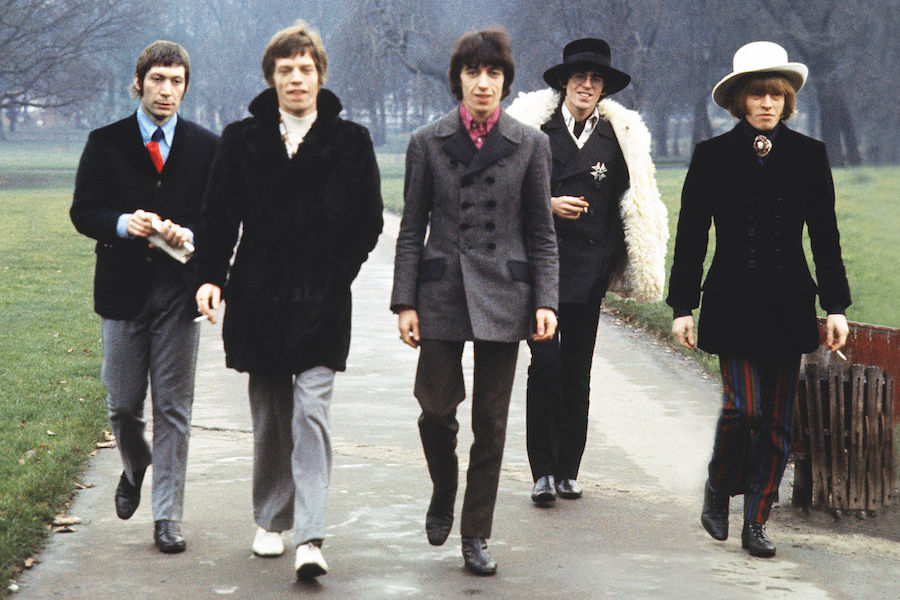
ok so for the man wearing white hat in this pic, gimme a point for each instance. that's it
(760, 183)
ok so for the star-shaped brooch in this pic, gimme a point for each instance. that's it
(598, 172)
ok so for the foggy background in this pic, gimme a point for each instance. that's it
(388, 59)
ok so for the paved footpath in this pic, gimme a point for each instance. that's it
(635, 534)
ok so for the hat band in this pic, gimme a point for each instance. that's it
(587, 57)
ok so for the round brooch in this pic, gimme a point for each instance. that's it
(762, 145)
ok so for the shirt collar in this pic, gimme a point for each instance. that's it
(570, 120)
(483, 128)
(148, 127)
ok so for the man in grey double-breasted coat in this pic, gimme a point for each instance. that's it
(479, 181)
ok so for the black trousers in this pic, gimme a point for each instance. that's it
(439, 389)
(558, 396)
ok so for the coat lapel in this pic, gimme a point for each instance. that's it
(457, 142)
(582, 160)
(562, 146)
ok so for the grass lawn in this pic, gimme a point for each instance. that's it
(52, 408)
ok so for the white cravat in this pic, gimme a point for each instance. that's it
(296, 127)
(588, 126)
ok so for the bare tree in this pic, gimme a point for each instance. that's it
(54, 53)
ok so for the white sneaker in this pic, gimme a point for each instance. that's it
(309, 563)
(267, 543)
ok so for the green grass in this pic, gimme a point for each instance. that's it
(52, 408)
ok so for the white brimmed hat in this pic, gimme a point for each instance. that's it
(760, 57)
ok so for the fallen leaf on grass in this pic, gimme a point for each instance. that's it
(24, 458)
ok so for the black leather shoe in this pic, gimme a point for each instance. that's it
(714, 517)
(128, 496)
(544, 490)
(439, 518)
(755, 540)
(568, 489)
(167, 536)
(478, 559)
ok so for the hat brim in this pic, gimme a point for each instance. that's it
(613, 79)
(795, 73)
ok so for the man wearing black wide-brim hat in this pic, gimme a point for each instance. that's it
(612, 231)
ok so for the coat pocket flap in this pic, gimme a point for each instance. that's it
(520, 270)
(432, 269)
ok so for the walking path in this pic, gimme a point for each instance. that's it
(635, 534)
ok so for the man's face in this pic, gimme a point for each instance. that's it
(297, 84)
(482, 88)
(162, 91)
(764, 110)
(583, 91)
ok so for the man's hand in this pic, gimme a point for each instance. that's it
(174, 234)
(208, 297)
(545, 327)
(836, 331)
(408, 323)
(140, 223)
(683, 330)
(568, 207)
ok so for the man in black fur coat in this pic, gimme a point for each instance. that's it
(298, 189)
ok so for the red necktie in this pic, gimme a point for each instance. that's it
(153, 148)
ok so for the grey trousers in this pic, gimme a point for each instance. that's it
(159, 343)
(291, 451)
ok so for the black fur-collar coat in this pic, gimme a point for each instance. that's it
(307, 224)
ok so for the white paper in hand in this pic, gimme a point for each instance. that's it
(182, 254)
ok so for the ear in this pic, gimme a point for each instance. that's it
(138, 86)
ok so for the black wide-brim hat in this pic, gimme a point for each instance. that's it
(589, 54)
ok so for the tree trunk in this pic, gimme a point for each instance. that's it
(661, 132)
(702, 127)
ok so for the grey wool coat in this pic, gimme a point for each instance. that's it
(490, 259)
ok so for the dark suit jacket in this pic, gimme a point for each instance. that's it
(759, 296)
(116, 176)
(490, 259)
(589, 246)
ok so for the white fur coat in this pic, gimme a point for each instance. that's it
(644, 216)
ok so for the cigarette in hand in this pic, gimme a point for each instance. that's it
(841, 354)
(200, 319)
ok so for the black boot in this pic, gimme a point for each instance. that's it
(755, 540)
(478, 560)
(715, 513)
(439, 518)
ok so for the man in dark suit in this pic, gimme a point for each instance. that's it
(141, 176)
(478, 180)
(612, 231)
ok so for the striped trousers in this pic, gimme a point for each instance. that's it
(753, 434)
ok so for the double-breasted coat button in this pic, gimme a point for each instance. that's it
(158, 184)
(467, 205)
(491, 246)
(464, 226)
(751, 264)
(489, 226)
(489, 180)
(590, 242)
(490, 205)
(751, 231)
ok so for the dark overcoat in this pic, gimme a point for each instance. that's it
(117, 176)
(307, 225)
(759, 295)
(490, 259)
(591, 246)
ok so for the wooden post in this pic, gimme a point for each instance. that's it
(839, 453)
(874, 383)
(857, 461)
(816, 436)
(889, 472)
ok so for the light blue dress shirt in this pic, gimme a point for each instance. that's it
(147, 127)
